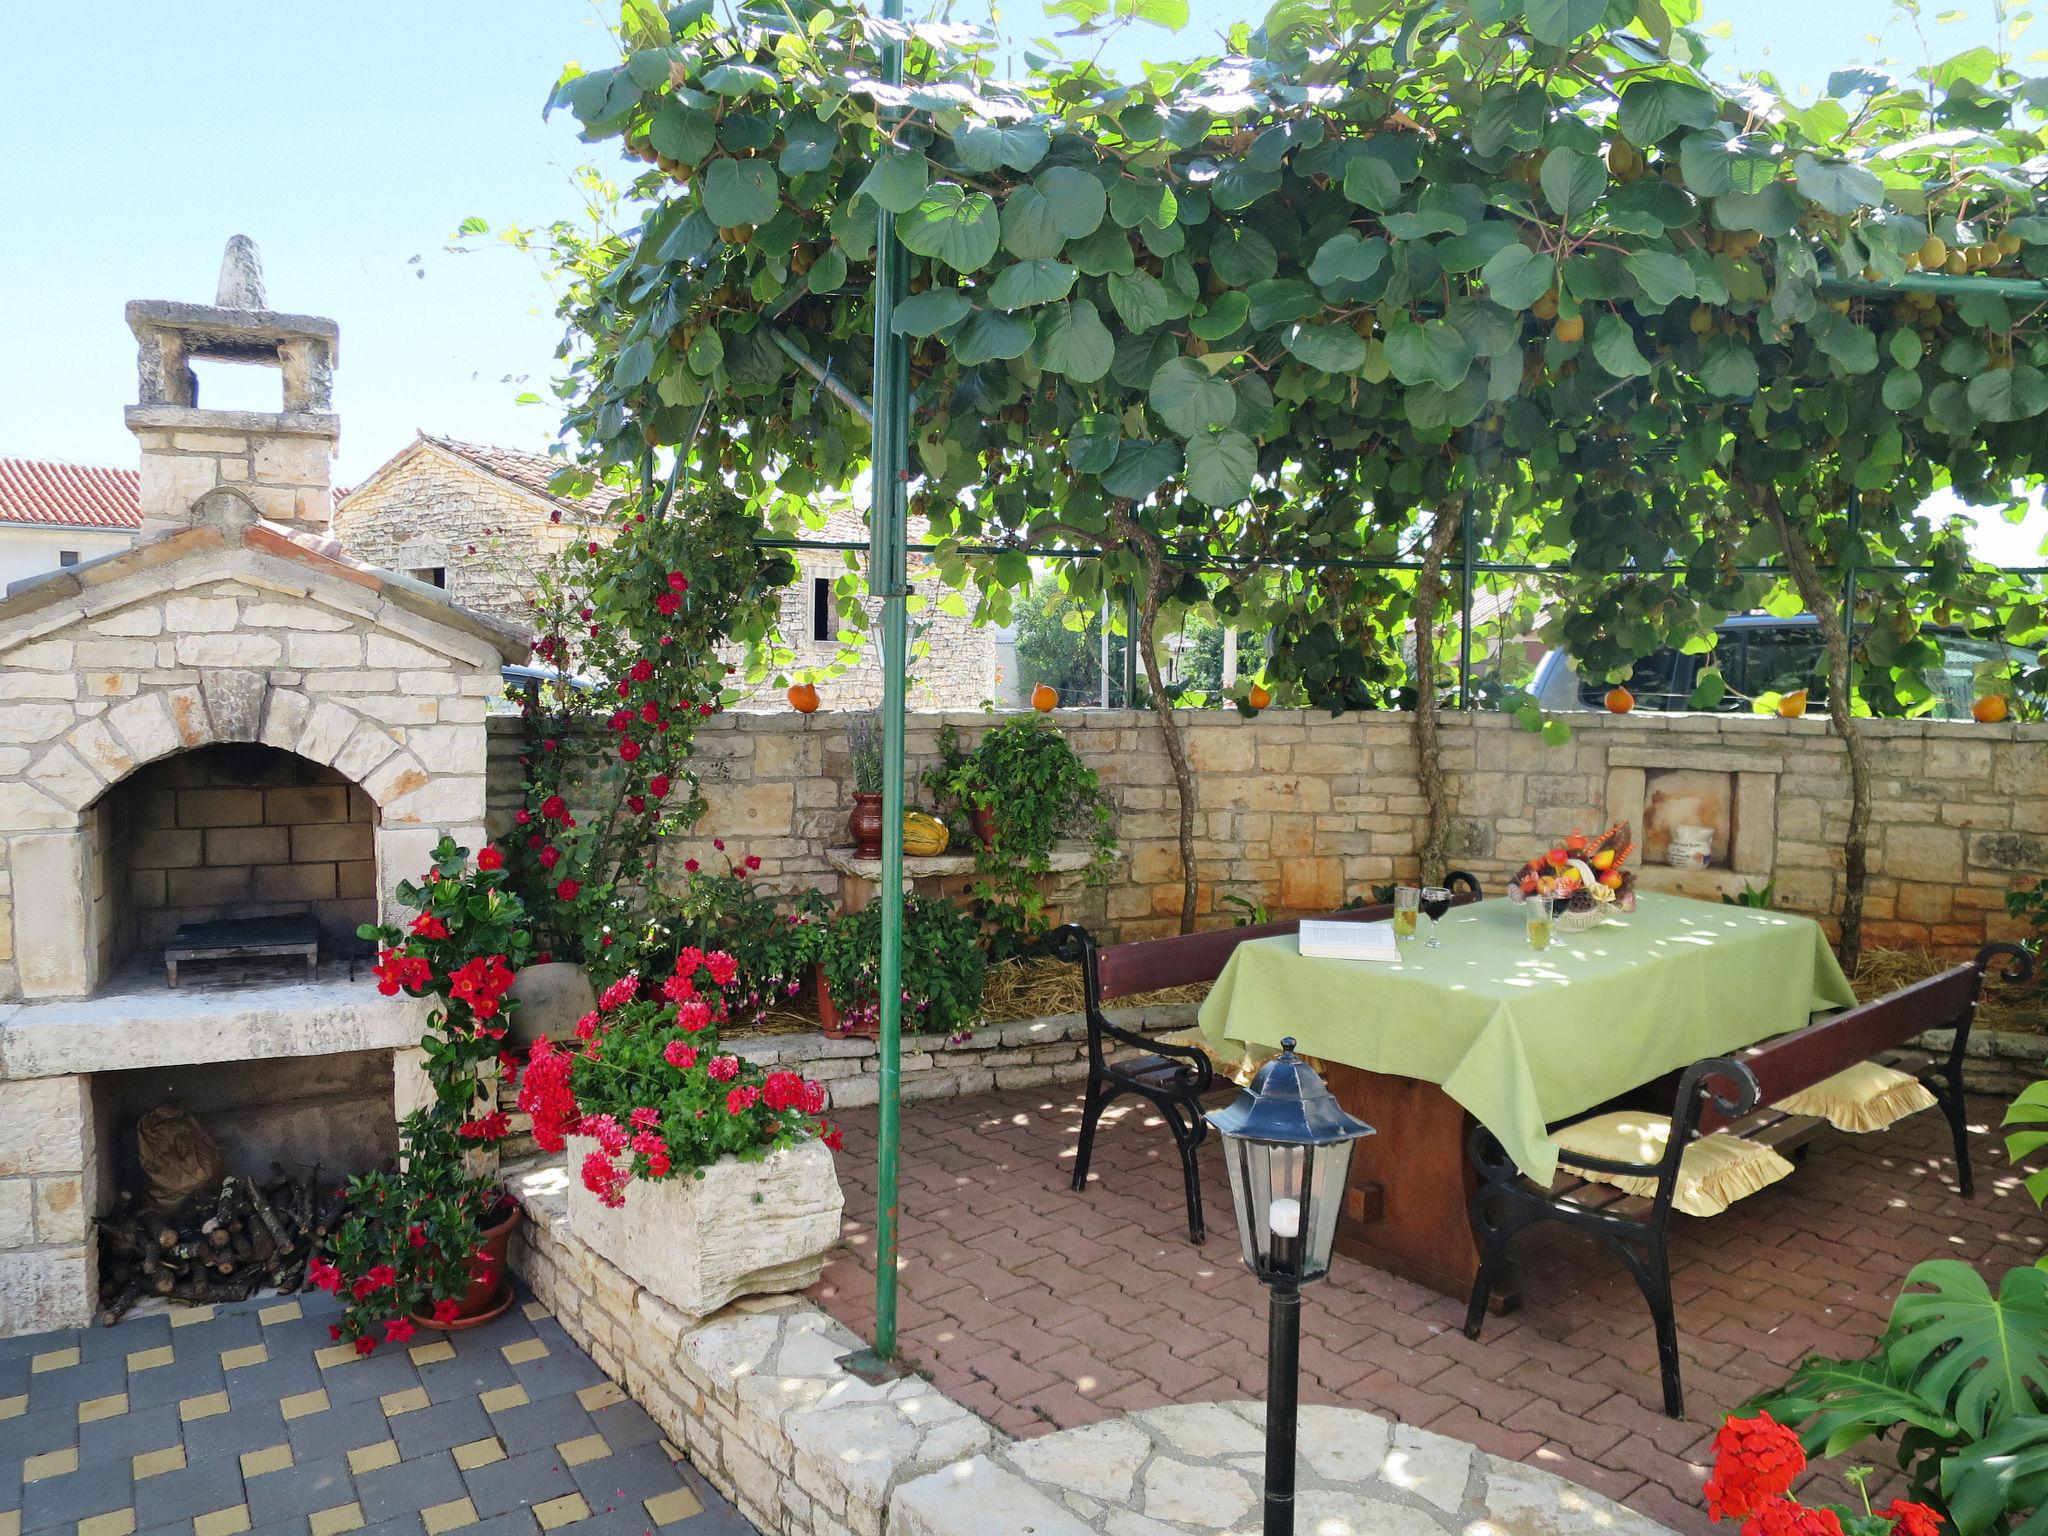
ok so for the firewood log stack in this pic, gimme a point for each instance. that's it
(218, 1245)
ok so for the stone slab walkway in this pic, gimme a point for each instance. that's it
(1044, 1310)
(247, 1418)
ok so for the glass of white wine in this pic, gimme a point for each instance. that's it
(1538, 910)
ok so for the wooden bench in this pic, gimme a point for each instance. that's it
(1173, 1078)
(1732, 1096)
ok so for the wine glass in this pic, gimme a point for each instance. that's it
(1436, 901)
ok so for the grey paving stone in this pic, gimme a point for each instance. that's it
(516, 1522)
(562, 1369)
(130, 1434)
(518, 1481)
(373, 1376)
(228, 1328)
(440, 1427)
(33, 1433)
(283, 1375)
(469, 1374)
(622, 1479)
(91, 1490)
(199, 1489)
(545, 1421)
(125, 1337)
(299, 1490)
(21, 1346)
(192, 1375)
(14, 1373)
(338, 1429)
(409, 1487)
(626, 1424)
(238, 1430)
(489, 1338)
(77, 1383)
(405, 1525)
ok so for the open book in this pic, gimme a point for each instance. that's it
(1324, 940)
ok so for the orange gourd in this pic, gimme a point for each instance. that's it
(1045, 698)
(803, 698)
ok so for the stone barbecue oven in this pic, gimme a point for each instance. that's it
(230, 719)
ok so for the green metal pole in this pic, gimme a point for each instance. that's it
(1465, 607)
(886, 580)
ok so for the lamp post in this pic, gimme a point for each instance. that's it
(1287, 1144)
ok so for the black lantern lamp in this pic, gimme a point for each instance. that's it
(1287, 1143)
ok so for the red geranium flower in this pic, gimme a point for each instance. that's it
(1755, 1462)
(1910, 1519)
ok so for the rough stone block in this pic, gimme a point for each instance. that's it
(243, 648)
(44, 1126)
(50, 932)
(42, 1289)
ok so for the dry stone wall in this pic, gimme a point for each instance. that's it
(1298, 812)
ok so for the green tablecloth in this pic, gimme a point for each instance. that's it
(1522, 1039)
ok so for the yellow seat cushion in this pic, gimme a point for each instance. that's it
(1714, 1172)
(1866, 1097)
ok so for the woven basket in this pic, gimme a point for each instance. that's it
(1579, 922)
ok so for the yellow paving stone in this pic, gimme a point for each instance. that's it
(13, 1407)
(93, 1409)
(498, 1399)
(203, 1407)
(272, 1458)
(300, 1404)
(156, 1463)
(533, 1311)
(53, 1360)
(566, 1510)
(50, 1464)
(371, 1457)
(117, 1522)
(332, 1522)
(452, 1516)
(479, 1453)
(670, 1451)
(676, 1504)
(336, 1354)
(410, 1400)
(150, 1359)
(603, 1395)
(10, 1522)
(523, 1351)
(283, 1312)
(222, 1522)
(248, 1354)
(588, 1448)
(185, 1317)
(431, 1354)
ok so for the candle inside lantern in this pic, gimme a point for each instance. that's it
(1283, 1218)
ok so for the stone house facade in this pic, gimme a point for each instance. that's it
(473, 521)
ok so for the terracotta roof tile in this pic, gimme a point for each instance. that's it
(51, 492)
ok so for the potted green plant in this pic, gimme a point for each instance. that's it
(773, 940)
(733, 1191)
(1026, 789)
(944, 967)
(423, 1241)
(864, 825)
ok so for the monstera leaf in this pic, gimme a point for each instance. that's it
(1848, 1402)
(1982, 1359)
(2006, 1474)
(2030, 1109)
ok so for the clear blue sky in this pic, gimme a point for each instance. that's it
(349, 140)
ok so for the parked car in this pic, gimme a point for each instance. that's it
(1756, 654)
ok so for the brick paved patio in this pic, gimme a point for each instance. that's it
(246, 1418)
(1043, 1309)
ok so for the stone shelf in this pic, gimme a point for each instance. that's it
(1065, 858)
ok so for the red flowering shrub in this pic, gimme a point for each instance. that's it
(405, 1247)
(655, 1091)
(1757, 1460)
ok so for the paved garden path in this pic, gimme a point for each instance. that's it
(1043, 1309)
(214, 1421)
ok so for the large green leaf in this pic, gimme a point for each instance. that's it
(1073, 342)
(956, 227)
(1327, 348)
(680, 132)
(1221, 467)
(1717, 162)
(1142, 465)
(1562, 22)
(2003, 1475)
(1024, 283)
(1143, 199)
(1031, 226)
(1836, 187)
(897, 179)
(1730, 368)
(2029, 1109)
(1344, 259)
(984, 146)
(1982, 1359)
(1141, 301)
(1241, 257)
(2009, 394)
(1573, 182)
(1901, 390)
(1222, 316)
(741, 192)
(1370, 182)
(1281, 299)
(1662, 276)
(991, 336)
(1851, 346)
(1614, 347)
(1092, 441)
(1076, 200)
(933, 310)
(1190, 399)
(1517, 277)
(1434, 352)
(1653, 109)
(1847, 1402)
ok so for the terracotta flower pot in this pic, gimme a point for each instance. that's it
(490, 1288)
(865, 826)
(983, 820)
(831, 1021)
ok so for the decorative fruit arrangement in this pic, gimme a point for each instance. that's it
(803, 698)
(1045, 698)
(1584, 873)
(924, 837)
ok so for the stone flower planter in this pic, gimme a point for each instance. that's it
(744, 1229)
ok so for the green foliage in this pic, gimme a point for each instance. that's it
(1059, 642)
(944, 965)
(864, 742)
(1759, 897)
(1035, 790)
(774, 940)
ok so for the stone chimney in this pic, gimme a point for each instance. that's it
(279, 462)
